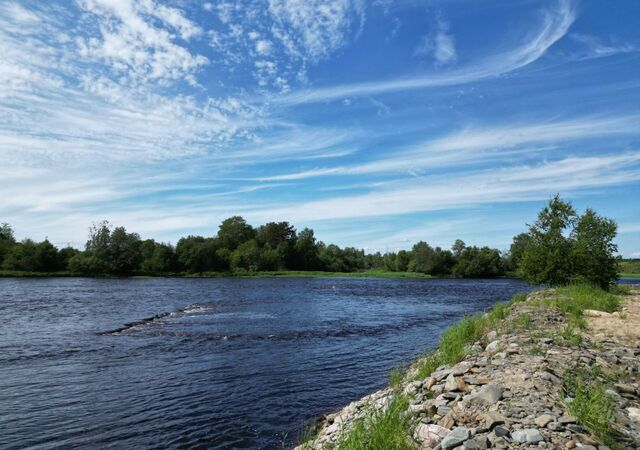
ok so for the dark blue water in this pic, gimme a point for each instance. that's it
(225, 363)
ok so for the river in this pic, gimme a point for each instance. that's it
(208, 363)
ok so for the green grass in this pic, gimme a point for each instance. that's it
(25, 274)
(578, 297)
(589, 402)
(523, 321)
(570, 337)
(388, 429)
(395, 378)
(455, 341)
(537, 350)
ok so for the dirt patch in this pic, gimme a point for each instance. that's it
(623, 327)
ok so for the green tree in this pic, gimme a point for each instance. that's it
(7, 240)
(124, 255)
(548, 255)
(402, 261)
(234, 231)
(474, 262)
(518, 246)
(64, 256)
(594, 249)
(307, 251)
(458, 247)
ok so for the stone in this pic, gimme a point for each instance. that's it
(478, 442)
(492, 419)
(488, 395)
(564, 420)
(501, 432)
(570, 444)
(634, 414)
(441, 374)
(492, 335)
(551, 377)
(493, 347)
(447, 421)
(543, 420)
(455, 437)
(429, 382)
(527, 436)
(625, 388)
(451, 383)
(501, 443)
(430, 435)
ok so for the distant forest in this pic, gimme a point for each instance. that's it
(559, 248)
(240, 248)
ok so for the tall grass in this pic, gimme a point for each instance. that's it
(454, 343)
(387, 429)
(589, 402)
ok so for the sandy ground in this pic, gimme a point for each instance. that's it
(622, 327)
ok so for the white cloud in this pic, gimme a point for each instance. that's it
(439, 44)
(134, 46)
(512, 184)
(472, 146)
(553, 26)
(263, 47)
(313, 29)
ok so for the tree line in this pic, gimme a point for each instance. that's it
(560, 247)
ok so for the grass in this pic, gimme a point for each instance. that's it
(395, 378)
(455, 341)
(387, 429)
(629, 267)
(589, 402)
(569, 337)
(523, 321)
(537, 350)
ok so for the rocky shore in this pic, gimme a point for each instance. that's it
(533, 382)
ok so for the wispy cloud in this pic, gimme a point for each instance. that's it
(517, 183)
(554, 25)
(438, 44)
(474, 145)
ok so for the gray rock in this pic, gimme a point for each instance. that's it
(430, 435)
(527, 436)
(501, 432)
(543, 420)
(478, 442)
(456, 437)
(488, 395)
(564, 420)
(493, 347)
(492, 419)
(441, 374)
(451, 384)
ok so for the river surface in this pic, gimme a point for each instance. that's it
(208, 363)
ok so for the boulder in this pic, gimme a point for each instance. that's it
(455, 437)
(430, 435)
(493, 347)
(488, 395)
(527, 436)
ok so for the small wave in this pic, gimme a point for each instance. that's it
(189, 310)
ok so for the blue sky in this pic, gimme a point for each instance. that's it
(377, 123)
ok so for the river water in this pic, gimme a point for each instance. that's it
(208, 363)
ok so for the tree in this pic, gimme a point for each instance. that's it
(474, 262)
(158, 257)
(548, 256)
(307, 251)
(402, 261)
(234, 231)
(458, 247)
(594, 249)
(518, 246)
(124, 255)
(7, 240)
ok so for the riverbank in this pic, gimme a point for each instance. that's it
(242, 274)
(555, 369)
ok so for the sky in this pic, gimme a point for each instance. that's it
(376, 123)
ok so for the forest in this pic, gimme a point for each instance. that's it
(560, 247)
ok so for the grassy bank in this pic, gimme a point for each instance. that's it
(392, 429)
(243, 274)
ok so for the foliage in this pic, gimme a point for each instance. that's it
(562, 247)
(629, 266)
(547, 257)
(7, 240)
(386, 428)
(474, 262)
